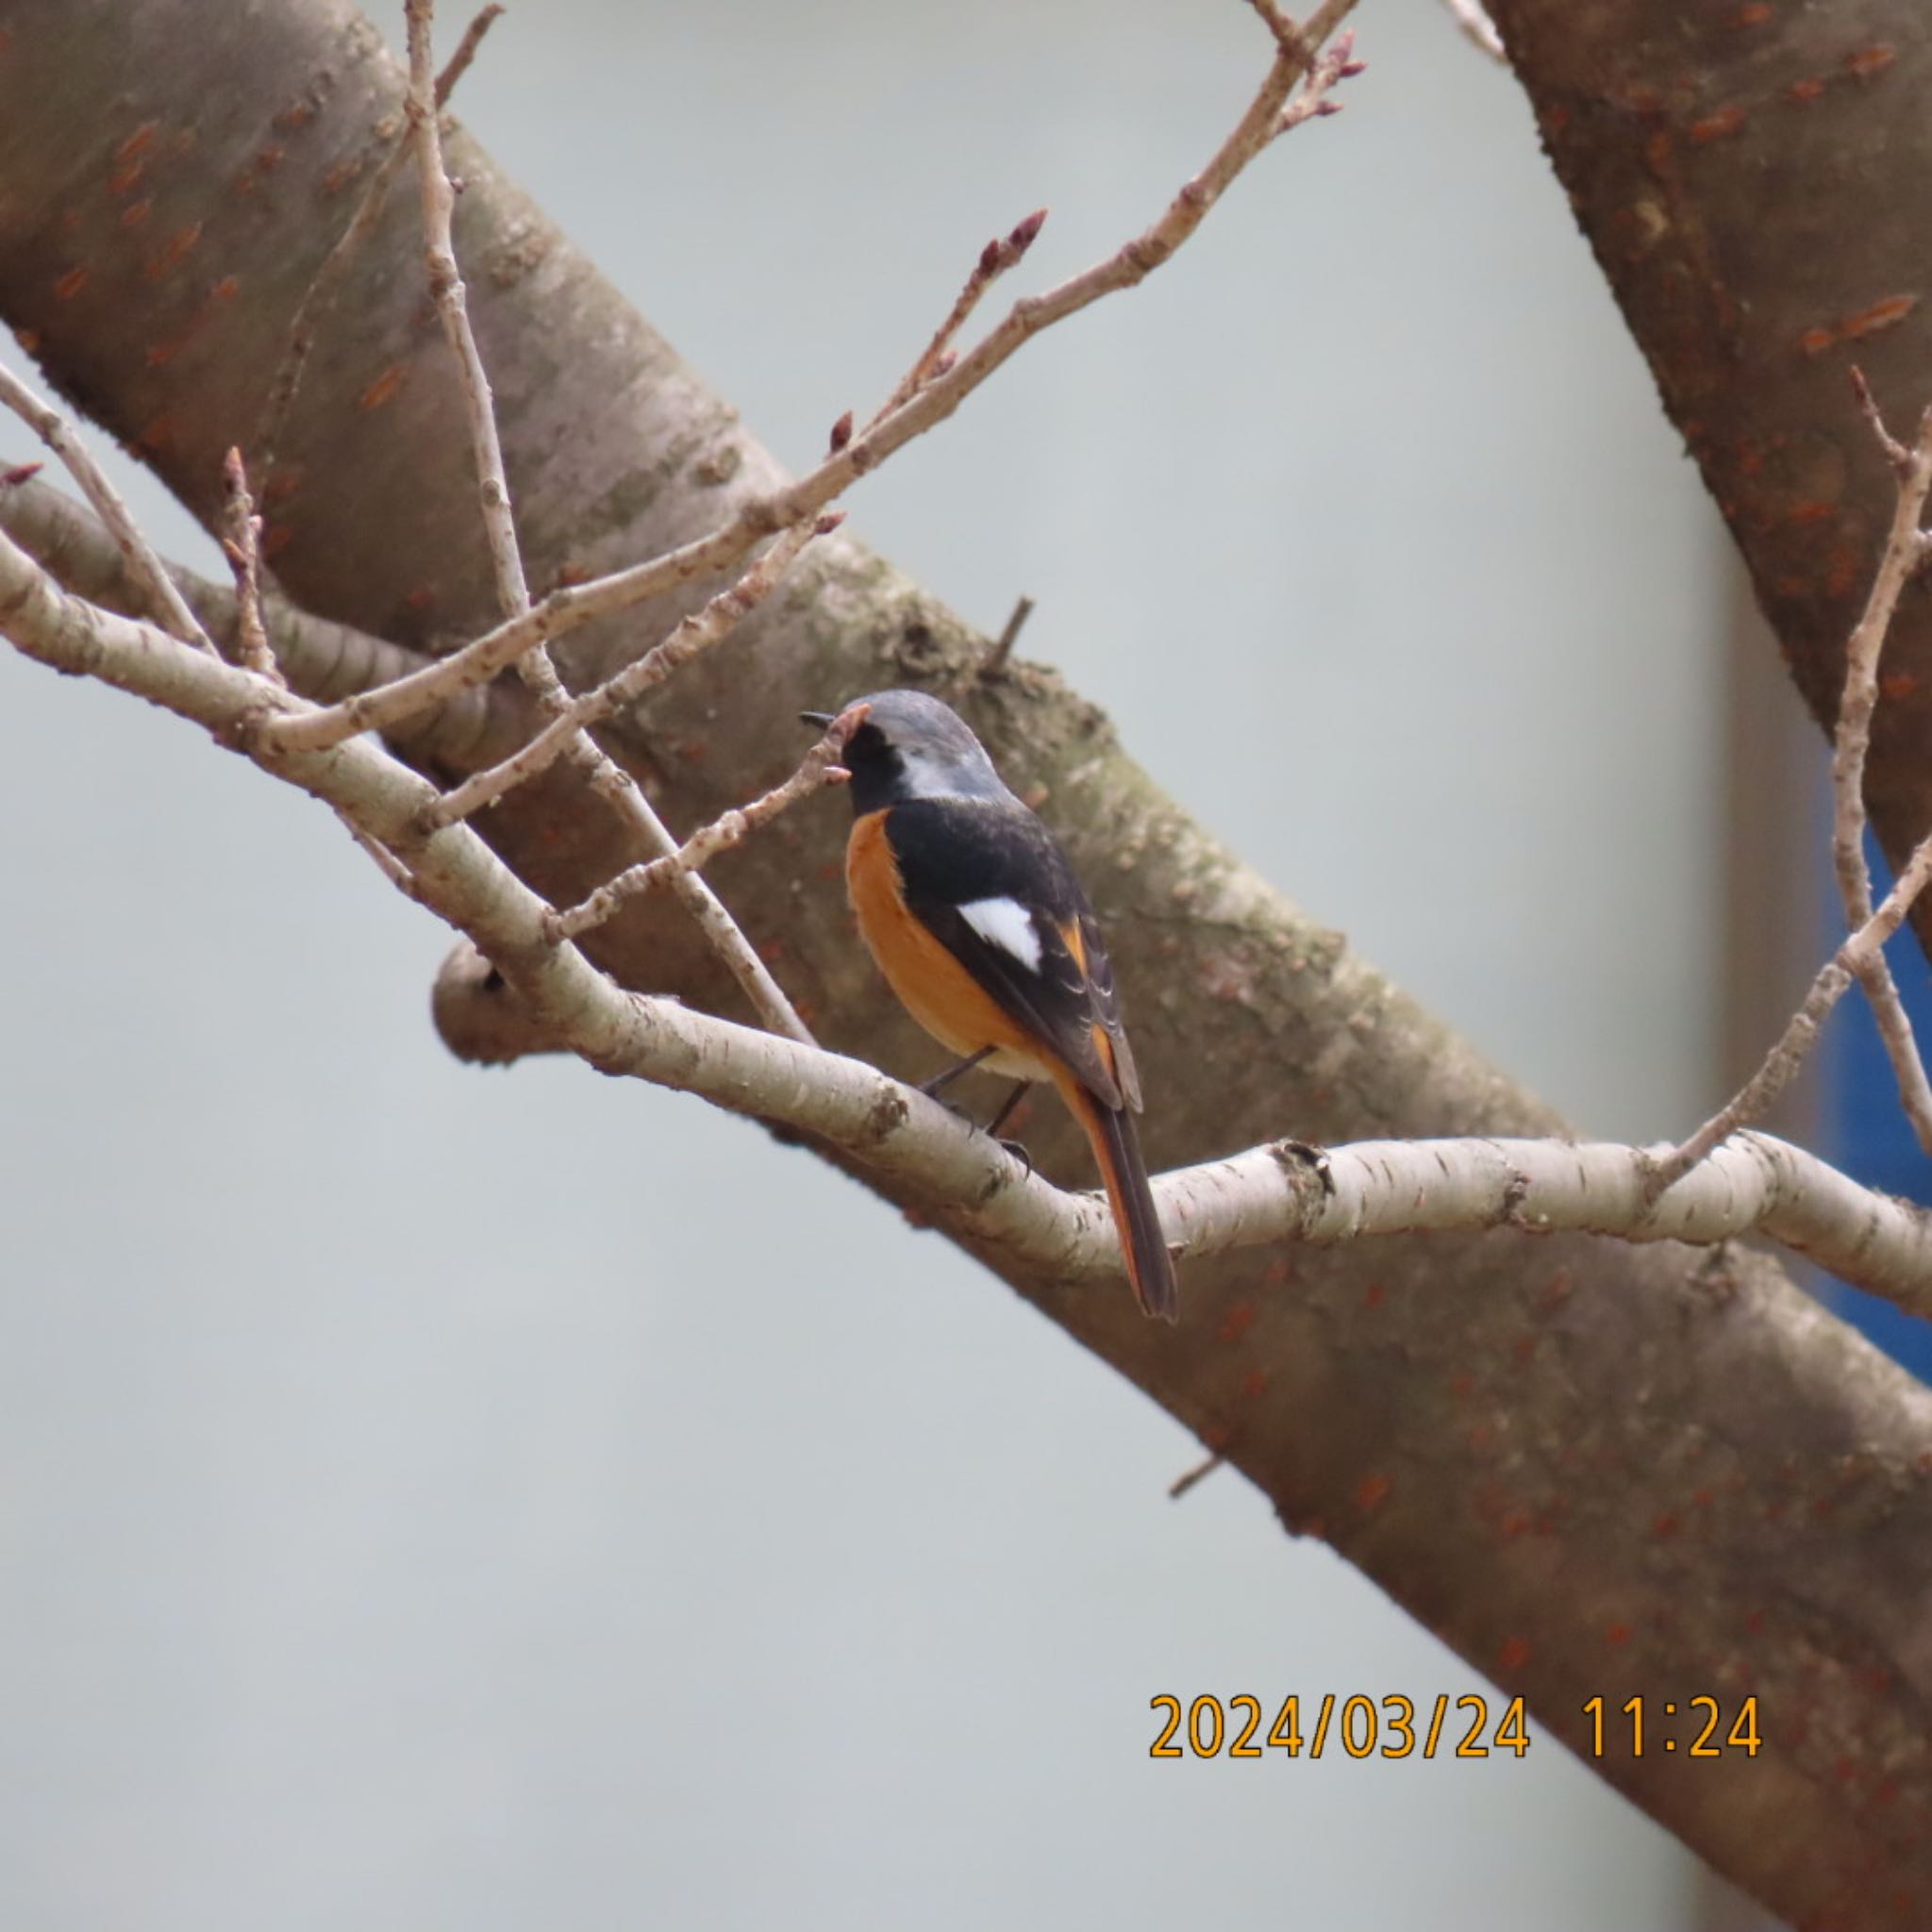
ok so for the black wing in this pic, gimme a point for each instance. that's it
(957, 852)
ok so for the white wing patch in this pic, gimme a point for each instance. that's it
(1008, 925)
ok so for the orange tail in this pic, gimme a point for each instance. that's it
(1117, 1148)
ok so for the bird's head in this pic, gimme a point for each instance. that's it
(908, 744)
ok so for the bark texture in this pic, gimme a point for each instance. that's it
(1753, 178)
(1593, 1470)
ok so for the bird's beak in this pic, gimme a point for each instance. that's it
(852, 717)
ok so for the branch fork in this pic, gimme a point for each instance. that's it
(1861, 956)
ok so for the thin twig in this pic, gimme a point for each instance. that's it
(999, 255)
(1853, 960)
(1200, 1472)
(764, 516)
(483, 658)
(606, 778)
(1862, 955)
(1903, 554)
(335, 264)
(995, 659)
(819, 768)
(447, 290)
(385, 862)
(242, 546)
(1277, 22)
(170, 612)
(706, 626)
(321, 659)
(458, 62)
(1478, 28)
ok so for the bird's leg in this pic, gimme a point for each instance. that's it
(1007, 1106)
(1016, 1148)
(944, 1078)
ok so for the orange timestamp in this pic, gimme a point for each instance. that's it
(1694, 1728)
(1359, 1726)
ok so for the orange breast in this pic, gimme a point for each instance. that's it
(932, 986)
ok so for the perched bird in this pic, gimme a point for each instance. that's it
(977, 919)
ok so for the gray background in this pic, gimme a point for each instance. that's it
(436, 1498)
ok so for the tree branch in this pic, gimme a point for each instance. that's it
(1862, 955)
(926, 405)
(815, 771)
(142, 565)
(321, 659)
(706, 626)
(969, 1182)
(1851, 960)
(242, 546)
(606, 778)
(1903, 555)
(321, 289)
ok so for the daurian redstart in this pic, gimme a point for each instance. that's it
(977, 919)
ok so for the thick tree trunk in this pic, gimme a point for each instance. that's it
(1753, 178)
(1593, 1470)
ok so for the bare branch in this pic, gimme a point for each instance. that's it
(1336, 64)
(997, 657)
(604, 776)
(385, 861)
(321, 659)
(458, 62)
(1199, 1473)
(764, 516)
(1896, 453)
(448, 292)
(995, 259)
(966, 1181)
(1903, 555)
(335, 264)
(1756, 1184)
(389, 705)
(1853, 960)
(1862, 955)
(706, 626)
(1287, 35)
(446, 867)
(242, 546)
(142, 565)
(818, 769)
